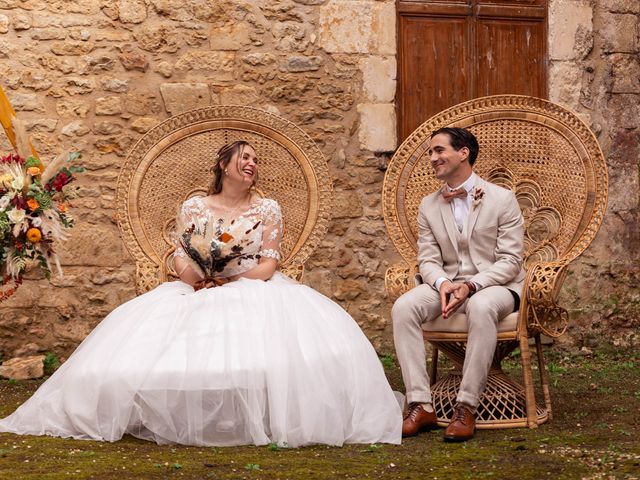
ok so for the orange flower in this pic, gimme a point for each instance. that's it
(33, 204)
(34, 235)
(33, 171)
(225, 237)
(62, 207)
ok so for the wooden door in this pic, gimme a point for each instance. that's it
(450, 51)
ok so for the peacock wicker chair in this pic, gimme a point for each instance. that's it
(174, 161)
(553, 163)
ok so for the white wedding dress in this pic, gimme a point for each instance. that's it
(250, 362)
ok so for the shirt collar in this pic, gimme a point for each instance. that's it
(467, 184)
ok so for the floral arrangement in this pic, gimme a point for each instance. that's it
(212, 247)
(33, 214)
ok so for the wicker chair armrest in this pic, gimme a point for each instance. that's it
(540, 292)
(294, 271)
(399, 279)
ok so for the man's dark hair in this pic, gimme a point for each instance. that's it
(461, 137)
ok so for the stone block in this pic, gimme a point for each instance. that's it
(48, 34)
(21, 22)
(623, 111)
(80, 34)
(41, 125)
(141, 103)
(115, 85)
(625, 73)
(218, 66)
(79, 86)
(72, 48)
(345, 26)
(158, 38)
(290, 36)
(320, 280)
(231, 36)
(620, 33)
(239, 95)
(622, 6)
(132, 11)
(4, 23)
(180, 97)
(172, 10)
(377, 131)
(106, 128)
(69, 107)
(144, 124)
(301, 64)
(164, 68)
(351, 26)
(384, 28)
(259, 59)
(379, 78)
(25, 102)
(23, 368)
(111, 36)
(132, 60)
(75, 129)
(570, 29)
(108, 105)
(34, 80)
(347, 204)
(565, 80)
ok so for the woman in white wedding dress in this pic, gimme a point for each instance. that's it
(235, 353)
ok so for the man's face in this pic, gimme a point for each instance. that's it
(445, 160)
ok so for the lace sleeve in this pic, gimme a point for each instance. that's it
(184, 220)
(272, 230)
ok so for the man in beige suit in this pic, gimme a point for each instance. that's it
(470, 258)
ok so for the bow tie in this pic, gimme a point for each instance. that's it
(450, 195)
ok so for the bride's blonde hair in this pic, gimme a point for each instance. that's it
(223, 157)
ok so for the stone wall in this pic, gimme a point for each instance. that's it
(96, 75)
(594, 51)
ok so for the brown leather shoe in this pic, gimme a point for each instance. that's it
(417, 420)
(462, 426)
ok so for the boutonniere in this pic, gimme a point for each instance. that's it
(478, 193)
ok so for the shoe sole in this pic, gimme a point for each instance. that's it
(421, 430)
(457, 439)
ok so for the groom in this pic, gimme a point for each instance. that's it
(470, 248)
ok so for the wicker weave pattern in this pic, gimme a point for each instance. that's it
(173, 161)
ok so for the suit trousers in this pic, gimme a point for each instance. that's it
(422, 304)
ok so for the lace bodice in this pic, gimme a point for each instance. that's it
(220, 247)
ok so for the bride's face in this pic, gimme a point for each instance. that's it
(243, 166)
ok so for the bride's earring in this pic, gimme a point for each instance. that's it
(226, 171)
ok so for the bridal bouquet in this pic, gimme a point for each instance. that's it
(33, 214)
(213, 247)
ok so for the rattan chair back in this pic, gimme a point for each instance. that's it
(174, 160)
(543, 152)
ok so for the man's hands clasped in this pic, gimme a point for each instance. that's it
(452, 295)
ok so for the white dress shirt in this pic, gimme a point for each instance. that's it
(460, 207)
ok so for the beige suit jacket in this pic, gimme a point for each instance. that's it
(495, 234)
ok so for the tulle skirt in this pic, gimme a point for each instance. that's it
(250, 362)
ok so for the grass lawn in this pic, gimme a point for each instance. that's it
(594, 434)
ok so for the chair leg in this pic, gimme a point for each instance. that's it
(433, 374)
(544, 375)
(529, 394)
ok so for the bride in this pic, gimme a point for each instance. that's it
(234, 353)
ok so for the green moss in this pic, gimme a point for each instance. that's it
(591, 435)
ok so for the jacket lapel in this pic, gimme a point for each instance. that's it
(476, 205)
(448, 219)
